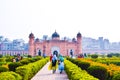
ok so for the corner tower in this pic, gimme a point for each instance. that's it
(31, 44)
(79, 43)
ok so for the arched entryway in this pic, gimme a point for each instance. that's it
(55, 53)
(71, 52)
(55, 50)
(38, 52)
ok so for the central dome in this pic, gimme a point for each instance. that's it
(55, 35)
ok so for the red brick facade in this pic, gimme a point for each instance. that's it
(64, 47)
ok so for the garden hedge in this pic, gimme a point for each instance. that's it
(28, 71)
(12, 66)
(76, 73)
(116, 77)
(3, 69)
(10, 76)
(29, 60)
(112, 69)
(98, 71)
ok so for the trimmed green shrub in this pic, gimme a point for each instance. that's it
(94, 56)
(25, 61)
(32, 60)
(98, 71)
(116, 77)
(75, 73)
(24, 72)
(111, 69)
(12, 66)
(10, 76)
(2, 60)
(9, 59)
(37, 58)
(29, 60)
(2, 63)
(75, 61)
(6, 76)
(108, 61)
(3, 69)
(29, 70)
(17, 76)
(83, 65)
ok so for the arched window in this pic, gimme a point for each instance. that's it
(71, 52)
(39, 52)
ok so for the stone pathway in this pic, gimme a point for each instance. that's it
(45, 74)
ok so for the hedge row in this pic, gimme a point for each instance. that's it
(6, 59)
(29, 60)
(10, 76)
(76, 73)
(13, 65)
(28, 71)
(108, 61)
(3, 69)
(112, 70)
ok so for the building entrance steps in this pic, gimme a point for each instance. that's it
(45, 74)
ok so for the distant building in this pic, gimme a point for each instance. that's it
(48, 47)
(64, 45)
(13, 47)
(14, 52)
(106, 44)
(99, 45)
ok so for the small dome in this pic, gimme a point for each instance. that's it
(37, 40)
(79, 34)
(73, 39)
(31, 35)
(55, 34)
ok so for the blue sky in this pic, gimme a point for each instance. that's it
(93, 18)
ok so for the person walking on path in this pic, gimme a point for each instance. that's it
(54, 62)
(51, 57)
(61, 63)
(45, 74)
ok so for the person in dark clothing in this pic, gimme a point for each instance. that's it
(54, 61)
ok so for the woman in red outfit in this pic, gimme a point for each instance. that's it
(51, 58)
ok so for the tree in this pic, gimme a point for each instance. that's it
(109, 55)
(1, 55)
(94, 56)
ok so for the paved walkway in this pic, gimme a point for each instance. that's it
(45, 74)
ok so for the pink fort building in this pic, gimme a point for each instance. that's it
(48, 47)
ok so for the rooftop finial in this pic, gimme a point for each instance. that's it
(31, 31)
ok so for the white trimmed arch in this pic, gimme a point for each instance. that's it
(55, 48)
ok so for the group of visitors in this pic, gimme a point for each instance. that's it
(18, 58)
(56, 61)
